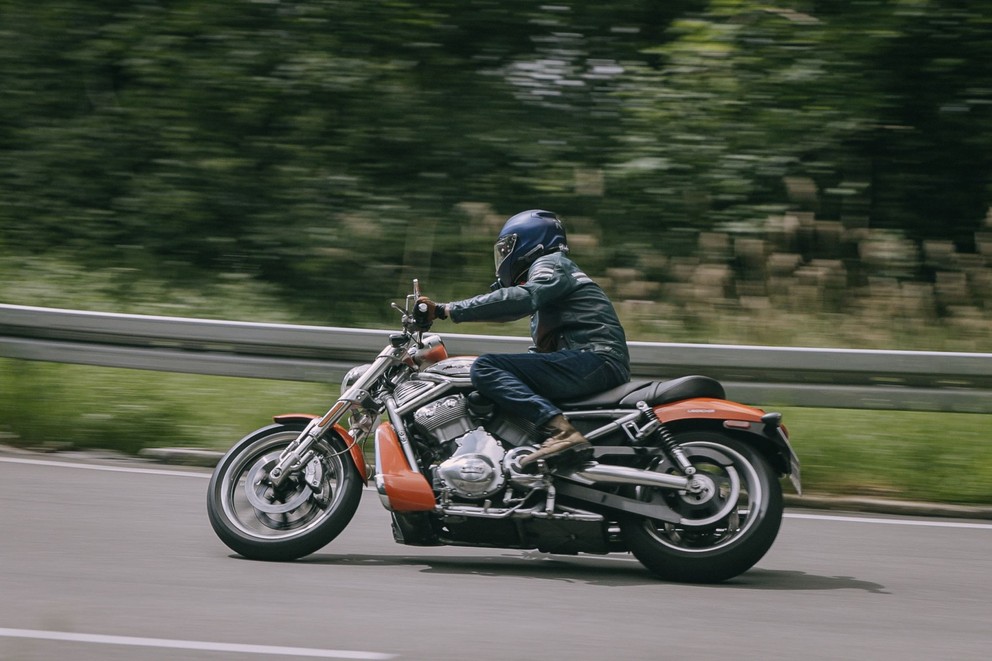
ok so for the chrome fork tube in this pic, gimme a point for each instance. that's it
(298, 452)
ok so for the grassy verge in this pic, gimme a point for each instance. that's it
(912, 455)
(939, 457)
(55, 406)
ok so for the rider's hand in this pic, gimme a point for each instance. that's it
(426, 311)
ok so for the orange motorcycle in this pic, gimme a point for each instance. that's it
(682, 478)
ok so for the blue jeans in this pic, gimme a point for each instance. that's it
(523, 383)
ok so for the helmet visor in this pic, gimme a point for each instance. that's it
(503, 249)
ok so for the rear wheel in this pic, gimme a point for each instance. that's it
(724, 529)
(306, 512)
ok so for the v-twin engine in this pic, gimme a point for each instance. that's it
(475, 469)
(477, 466)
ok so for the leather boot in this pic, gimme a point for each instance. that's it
(562, 438)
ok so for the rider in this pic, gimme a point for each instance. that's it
(579, 345)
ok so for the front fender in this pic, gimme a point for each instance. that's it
(354, 450)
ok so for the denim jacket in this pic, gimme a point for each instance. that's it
(568, 310)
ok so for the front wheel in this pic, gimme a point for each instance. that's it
(724, 529)
(310, 508)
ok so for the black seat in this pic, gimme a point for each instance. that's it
(652, 392)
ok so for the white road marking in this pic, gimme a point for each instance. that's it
(891, 522)
(814, 517)
(96, 467)
(198, 645)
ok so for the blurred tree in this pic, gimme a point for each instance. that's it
(888, 101)
(931, 151)
(316, 144)
(299, 140)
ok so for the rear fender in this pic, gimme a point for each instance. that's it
(400, 487)
(354, 450)
(750, 425)
(707, 409)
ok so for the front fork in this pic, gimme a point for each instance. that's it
(299, 453)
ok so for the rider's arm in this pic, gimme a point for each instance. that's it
(547, 281)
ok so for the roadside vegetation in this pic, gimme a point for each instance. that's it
(940, 457)
(52, 407)
(798, 174)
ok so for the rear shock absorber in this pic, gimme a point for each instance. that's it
(668, 442)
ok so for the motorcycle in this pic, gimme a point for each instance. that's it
(682, 478)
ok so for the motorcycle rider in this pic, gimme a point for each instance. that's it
(579, 345)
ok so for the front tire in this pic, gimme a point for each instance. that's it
(311, 508)
(725, 529)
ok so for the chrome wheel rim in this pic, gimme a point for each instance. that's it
(257, 510)
(721, 513)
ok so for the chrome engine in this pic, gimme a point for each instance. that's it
(444, 419)
(477, 466)
(475, 469)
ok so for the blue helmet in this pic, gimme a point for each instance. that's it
(525, 237)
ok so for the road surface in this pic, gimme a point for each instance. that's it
(115, 560)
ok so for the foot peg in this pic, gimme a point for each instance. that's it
(564, 442)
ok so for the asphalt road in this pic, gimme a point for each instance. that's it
(122, 564)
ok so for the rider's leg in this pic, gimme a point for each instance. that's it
(523, 385)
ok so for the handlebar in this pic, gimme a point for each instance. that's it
(414, 314)
(420, 317)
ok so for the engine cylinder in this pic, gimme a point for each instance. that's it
(475, 469)
(444, 420)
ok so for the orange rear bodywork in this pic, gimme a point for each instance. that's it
(716, 409)
(400, 488)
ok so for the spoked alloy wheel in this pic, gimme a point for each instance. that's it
(724, 528)
(310, 508)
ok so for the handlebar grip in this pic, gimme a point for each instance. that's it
(420, 312)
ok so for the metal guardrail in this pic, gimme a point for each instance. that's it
(770, 376)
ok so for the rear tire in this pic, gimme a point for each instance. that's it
(724, 531)
(261, 523)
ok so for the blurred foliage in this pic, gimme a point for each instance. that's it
(316, 144)
(884, 105)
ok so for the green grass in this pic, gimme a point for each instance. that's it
(49, 405)
(940, 457)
